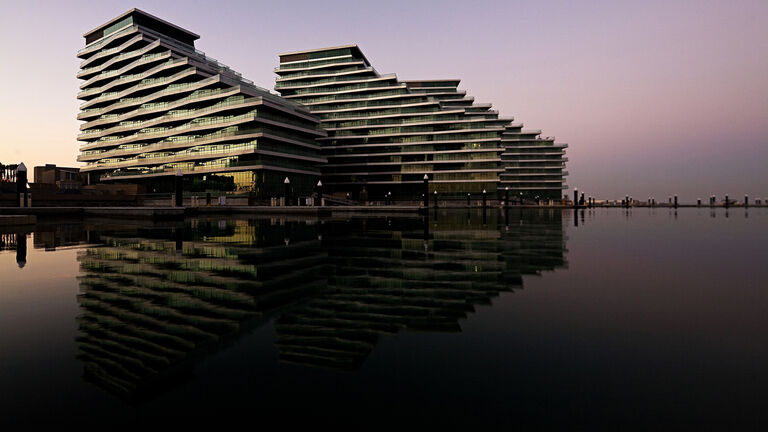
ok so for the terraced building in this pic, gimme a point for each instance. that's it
(534, 166)
(153, 104)
(384, 135)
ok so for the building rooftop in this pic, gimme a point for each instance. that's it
(145, 19)
(303, 55)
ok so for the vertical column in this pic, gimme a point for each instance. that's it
(22, 194)
(179, 178)
(287, 195)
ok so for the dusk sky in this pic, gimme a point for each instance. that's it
(653, 97)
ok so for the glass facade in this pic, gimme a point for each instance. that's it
(384, 135)
(152, 105)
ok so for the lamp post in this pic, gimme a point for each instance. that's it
(468, 199)
(287, 183)
(426, 191)
(506, 196)
(435, 194)
(484, 193)
(320, 193)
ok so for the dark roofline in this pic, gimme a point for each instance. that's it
(457, 80)
(136, 11)
(353, 47)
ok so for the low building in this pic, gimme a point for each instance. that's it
(64, 178)
(8, 173)
(8, 178)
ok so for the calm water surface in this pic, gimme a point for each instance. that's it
(606, 319)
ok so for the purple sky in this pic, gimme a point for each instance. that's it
(653, 97)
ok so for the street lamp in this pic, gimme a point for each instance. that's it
(287, 183)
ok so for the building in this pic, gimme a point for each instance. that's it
(64, 178)
(384, 135)
(153, 104)
(8, 178)
(8, 173)
(534, 166)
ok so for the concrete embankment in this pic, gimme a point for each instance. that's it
(159, 213)
(181, 212)
(118, 212)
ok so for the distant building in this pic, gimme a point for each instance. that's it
(65, 178)
(8, 178)
(8, 173)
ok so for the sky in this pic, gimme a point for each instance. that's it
(653, 98)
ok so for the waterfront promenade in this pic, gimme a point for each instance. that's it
(27, 215)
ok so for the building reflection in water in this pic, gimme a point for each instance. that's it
(153, 299)
(46, 236)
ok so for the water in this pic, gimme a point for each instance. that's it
(535, 319)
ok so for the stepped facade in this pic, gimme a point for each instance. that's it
(385, 135)
(154, 105)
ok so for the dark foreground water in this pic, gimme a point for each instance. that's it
(536, 320)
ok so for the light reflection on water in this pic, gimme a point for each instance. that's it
(647, 313)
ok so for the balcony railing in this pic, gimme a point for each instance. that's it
(171, 131)
(149, 72)
(313, 64)
(117, 58)
(144, 108)
(170, 116)
(107, 39)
